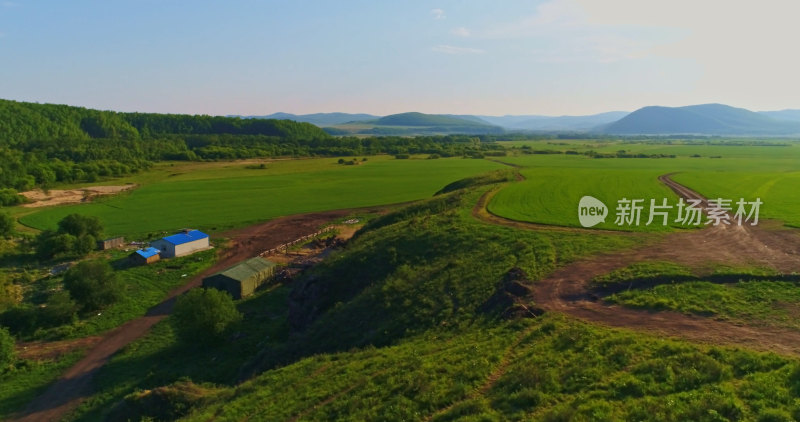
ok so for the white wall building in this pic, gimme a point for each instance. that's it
(181, 244)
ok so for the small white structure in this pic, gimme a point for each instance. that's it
(181, 244)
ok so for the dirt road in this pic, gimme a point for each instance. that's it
(74, 385)
(770, 245)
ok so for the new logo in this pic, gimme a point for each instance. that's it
(591, 211)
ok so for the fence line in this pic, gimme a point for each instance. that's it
(286, 245)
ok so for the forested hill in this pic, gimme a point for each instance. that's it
(23, 122)
(45, 144)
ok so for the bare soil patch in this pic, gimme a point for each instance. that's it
(40, 198)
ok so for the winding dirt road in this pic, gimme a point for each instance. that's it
(567, 290)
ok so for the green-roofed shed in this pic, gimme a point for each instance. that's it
(242, 279)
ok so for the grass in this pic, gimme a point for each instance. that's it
(143, 288)
(556, 182)
(159, 359)
(649, 270)
(753, 301)
(551, 368)
(778, 191)
(28, 378)
(551, 196)
(225, 196)
(751, 295)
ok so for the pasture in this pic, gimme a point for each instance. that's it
(555, 182)
(221, 196)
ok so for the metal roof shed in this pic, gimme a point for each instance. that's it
(146, 256)
(242, 279)
(184, 243)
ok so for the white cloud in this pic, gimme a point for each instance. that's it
(438, 14)
(460, 32)
(450, 49)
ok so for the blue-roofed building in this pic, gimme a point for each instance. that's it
(145, 256)
(184, 243)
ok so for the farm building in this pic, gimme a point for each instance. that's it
(184, 243)
(112, 243)
(145, 256)
(242, 279)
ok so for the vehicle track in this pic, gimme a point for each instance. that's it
(568, 289)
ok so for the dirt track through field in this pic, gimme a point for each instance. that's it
(75, 384)
(770, 245)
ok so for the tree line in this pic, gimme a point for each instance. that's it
(45, 144)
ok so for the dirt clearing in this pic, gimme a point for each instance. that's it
(40, 198)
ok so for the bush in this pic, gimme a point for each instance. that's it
(92, 284)
(7, 354)
(60, 310)
(80, 225)
(76, 236)
(9, 196)
(204, 315)
(20, 319)
(6, 225)
(50, 244)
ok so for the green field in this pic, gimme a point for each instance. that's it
(555, 182)
(228, 196)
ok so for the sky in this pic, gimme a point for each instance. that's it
(551, 57)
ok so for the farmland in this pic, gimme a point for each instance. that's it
(555, 182)
(233, 195)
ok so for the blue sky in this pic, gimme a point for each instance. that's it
(479, 57)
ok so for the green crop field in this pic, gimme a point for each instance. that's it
(555, 182)
(234, 195)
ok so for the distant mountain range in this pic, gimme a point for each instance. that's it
(319, 119)
(704, 119)
(555, 123)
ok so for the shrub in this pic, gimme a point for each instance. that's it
(204, 315)
(92, 284)
(80, 225)
(9, 196)
(76, 236)
(7, 354)
(60, 310)
(6, 225)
